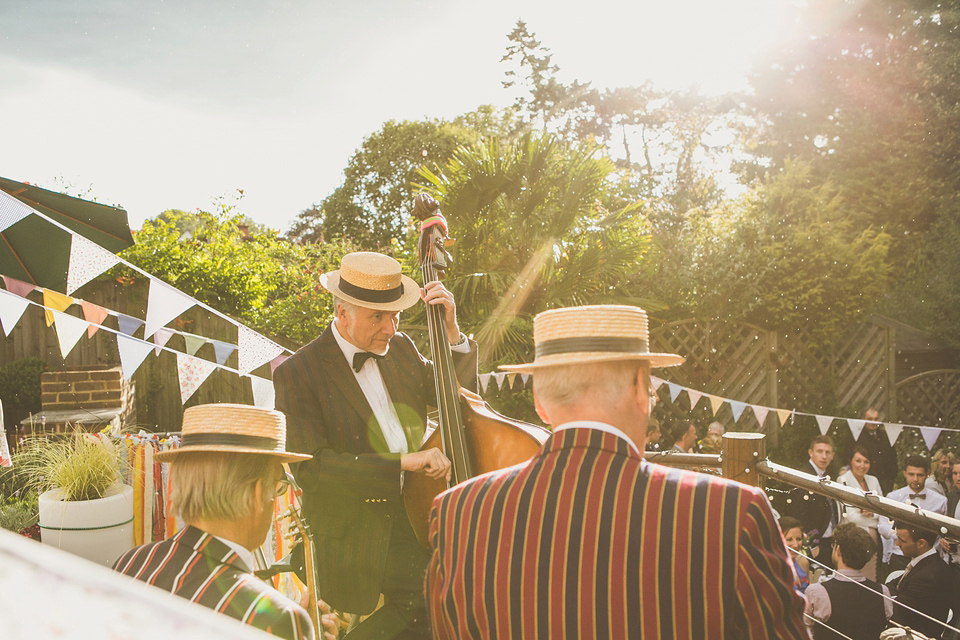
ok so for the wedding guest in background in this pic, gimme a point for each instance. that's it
(814, 511)
(915, 471)
(882, 456)
(858, 477)
(793, 536)
(941, 467)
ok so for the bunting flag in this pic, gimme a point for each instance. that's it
(132, 353)
(761, 413)
(18, 287)
(783, 415)
(694, 397)
(499, 377)
(128, 324)
(87, 261)
(674, 390)
(656, 382)
(193, 343)
(511, 380)
(12, 211)
(893, 431)
(930, 435)
(824, 423)
(715, 403)
(264, 395)
(254, 350)
(524, 379)
(276, 362)
(11, 310)
(93, 314)
(161, 338)
(53, 301)
(484, 379)
(856, 426)
(163, 305)
(223, 351)
(737, 409)
(69, 330)
(192, 372)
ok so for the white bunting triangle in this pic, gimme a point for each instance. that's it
(484, 379)
(12, 307)
(694, 397)
(761, 413)
(893, 431)
(87, 261)
(254, 350)
(930, 435)
(264, 395)
(824, 423)
(69, 330)
(132, 354)
(737, 409)
(856, 426)
(11, 210)
(163, 305)
(525, 378)
(499, 377)
(192, 372)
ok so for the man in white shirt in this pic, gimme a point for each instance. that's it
(915, 471)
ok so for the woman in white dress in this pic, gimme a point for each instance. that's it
(858, 478)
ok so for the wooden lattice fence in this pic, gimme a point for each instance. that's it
(931, 399)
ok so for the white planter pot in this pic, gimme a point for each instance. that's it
(98, 530)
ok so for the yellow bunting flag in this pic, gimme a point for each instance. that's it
(715, 403)
(54, 301)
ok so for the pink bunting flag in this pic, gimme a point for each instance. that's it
(761, 413)
(94, 314)
(694, 397)
(160, 338)
(18, 287)
(192, 372)
(276, 362)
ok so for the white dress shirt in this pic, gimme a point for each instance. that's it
(853, 514)
(818, 601)
(599, 426)
(932, 502)
(375, 391)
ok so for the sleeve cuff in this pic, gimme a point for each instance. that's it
(461, 347)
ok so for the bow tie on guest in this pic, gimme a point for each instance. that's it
(918, 496)
(361, 357)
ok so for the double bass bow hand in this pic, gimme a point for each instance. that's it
(435, 293)
(431, 462)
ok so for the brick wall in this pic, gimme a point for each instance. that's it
(87, 389)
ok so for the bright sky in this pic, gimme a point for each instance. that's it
(159, 104)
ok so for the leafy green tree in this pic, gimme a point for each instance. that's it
(532, 233)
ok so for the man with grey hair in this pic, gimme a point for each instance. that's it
(226, 476)
(588, 540)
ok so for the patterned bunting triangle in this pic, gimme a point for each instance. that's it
(163, 305)
(893, 431)
(191, 373)
(783, 415)
(128, 324)
(223, 351)
(193, 343)
(254, 350)
(264, 395)
(54, 301)
(856, 426)
(930, 435)
(11, 310)
(132, 354)
(12, 211)
(87, 261)
(69, 330)
(94, 314)
(824, 423)
(160, 338)
(737, 409)
(18, 287)
(715, 403)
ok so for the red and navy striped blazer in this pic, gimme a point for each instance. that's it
(195, 565)
(587, 540)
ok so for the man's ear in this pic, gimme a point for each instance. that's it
(645, 399)
(258, 494)
(540, 410)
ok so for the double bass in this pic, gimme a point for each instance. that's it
(471, 434)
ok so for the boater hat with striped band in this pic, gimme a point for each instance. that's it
(372, 280)
(598, 333)
(233, 428)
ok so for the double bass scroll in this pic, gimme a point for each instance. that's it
(471, 434)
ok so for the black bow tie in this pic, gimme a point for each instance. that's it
(360, 357)
(918, 496)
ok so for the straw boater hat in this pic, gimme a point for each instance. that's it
(233, 428)
(372, 280)
(599, 333)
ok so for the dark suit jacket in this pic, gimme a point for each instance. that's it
(811, 509)
(351, 486)
(196, 566)
(586, 540)
(929, 588)
(883, 459)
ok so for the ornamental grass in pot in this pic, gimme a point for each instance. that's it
(84, 506)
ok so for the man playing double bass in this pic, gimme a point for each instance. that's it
(356, 400)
